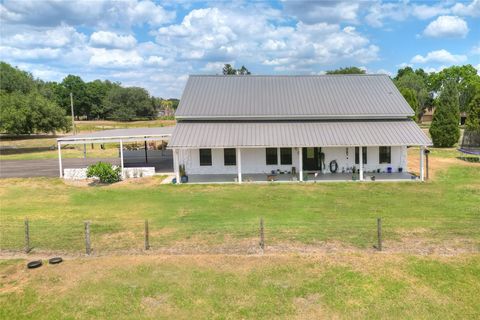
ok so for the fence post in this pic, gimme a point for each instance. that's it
(87, 238)
(27, 236)
(379, 234)
(262, 235)
(147, 242)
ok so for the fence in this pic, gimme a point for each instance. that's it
(97, 237)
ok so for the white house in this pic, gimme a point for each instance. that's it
(286, 127)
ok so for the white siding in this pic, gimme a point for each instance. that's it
(254, 160)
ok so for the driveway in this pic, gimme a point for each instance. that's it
(49, 167)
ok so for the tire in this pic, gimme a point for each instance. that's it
(34, 264)
(55, 260)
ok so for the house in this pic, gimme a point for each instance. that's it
(326, 127)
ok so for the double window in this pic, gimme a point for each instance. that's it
(357, 155)
(205, 157)
(229, 157)
(385, 154)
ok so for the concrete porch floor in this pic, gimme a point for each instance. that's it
(285, 178)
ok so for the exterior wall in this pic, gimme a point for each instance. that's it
(254, 160)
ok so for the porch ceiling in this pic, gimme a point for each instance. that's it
(297, 134)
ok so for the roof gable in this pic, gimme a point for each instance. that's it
(291, 97)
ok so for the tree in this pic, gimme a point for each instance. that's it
(466, 79)
(228, 69)
(444, 129)
(96, 92)
(417, 81)
(76, 86)
(411, 96)
(473, 118)
(30, 113)
(347, 70)
(125, 104)
(13, 79)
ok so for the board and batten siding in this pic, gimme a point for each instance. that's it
(254, 160)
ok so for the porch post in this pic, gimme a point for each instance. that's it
(239, 164)
(121, 156)
(422, 155)
(176, 166)
(60, 159)
(300, 164)
(361, 163)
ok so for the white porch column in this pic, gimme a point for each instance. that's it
(121, 156)
(60, 159)
(361, 163)
(239, 164)
(422, 156)
(176, 168)
(300, 164)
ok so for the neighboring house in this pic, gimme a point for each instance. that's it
(427, 116)
(242, 125)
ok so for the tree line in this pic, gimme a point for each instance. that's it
(30, 105)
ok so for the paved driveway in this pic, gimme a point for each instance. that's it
(49, 167)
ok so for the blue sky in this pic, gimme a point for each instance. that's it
(156, 45)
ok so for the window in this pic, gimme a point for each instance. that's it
(271, 156)
(357, 155)
(205, 157)
(229, 157)
(385, 155)
(285, 155)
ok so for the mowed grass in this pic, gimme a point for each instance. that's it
(339, 286)
(443, 213)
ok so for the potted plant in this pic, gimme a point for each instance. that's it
(183, 174)
(400, 169)
(354, 174)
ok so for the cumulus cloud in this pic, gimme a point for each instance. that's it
(378, 12)
(109, 39)
(441, 56)
(323, 11)
(114, 58)
(426, 12)
(89, 13)
(472, 9)
(447, 27)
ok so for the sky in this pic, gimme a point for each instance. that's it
(156, 45)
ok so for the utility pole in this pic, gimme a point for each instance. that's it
(73, 115)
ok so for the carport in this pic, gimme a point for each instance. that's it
(121, 136)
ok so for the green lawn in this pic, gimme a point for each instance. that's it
(417, 216)
(335, 286)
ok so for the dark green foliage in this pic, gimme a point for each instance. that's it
(228, 69)
(473, 117)
(125, 104)
(411, 97)
(347, 70)
(445, 129)
(105, 172)
(13, 79)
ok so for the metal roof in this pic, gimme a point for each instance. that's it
(115, 135)
(291, 97)
(297, 134)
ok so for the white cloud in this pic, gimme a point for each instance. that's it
(383, 71)
(475, 50)
(158, 61)
(426, 12)
(90, 13)
(447, 27)
(378, 12)
(441, 56)
(114, 58)
(109, 39)
(29, 54)
(472, 9)
(323, 11)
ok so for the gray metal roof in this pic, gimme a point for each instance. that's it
(292, 97)
(297, 134)
(131, 134)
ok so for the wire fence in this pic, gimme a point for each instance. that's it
(105, 236)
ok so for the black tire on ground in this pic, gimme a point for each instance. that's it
(55, 260)
(34, 264)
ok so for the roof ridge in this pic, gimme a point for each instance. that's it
(287, 75)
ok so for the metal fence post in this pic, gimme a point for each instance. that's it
(87, 238)
(379, 234)
(147, 241)
(262, 235)
(27, 236)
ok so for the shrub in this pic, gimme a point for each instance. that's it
(105, 172)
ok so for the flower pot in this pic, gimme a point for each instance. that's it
(184, 179)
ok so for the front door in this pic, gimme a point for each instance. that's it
(311, 159)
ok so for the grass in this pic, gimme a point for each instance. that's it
(416, 216)
(44, 146)
(340, 286)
